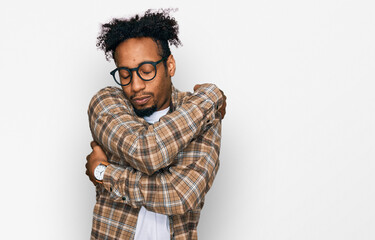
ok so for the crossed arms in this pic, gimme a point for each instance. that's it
(167, 167)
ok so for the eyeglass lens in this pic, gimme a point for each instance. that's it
(146, 71)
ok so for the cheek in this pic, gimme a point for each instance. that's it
(126, 91)
(164, 91)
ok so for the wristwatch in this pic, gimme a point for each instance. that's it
(99, 171)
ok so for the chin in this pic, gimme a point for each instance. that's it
(145, 111)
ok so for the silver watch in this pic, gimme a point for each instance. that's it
(99, 171)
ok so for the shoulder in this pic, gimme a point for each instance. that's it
(109, 92)
(178, 97)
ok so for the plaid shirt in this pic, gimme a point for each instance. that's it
(167, 167)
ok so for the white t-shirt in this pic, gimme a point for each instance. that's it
(151, 225)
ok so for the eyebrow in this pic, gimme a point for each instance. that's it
(137, 65)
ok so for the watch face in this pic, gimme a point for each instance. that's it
(99, 172)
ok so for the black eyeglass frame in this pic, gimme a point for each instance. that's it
(130, 70)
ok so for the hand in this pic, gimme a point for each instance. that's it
(223, 107)
(93, 160)
(222, 110)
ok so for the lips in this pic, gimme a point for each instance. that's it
(142, 100)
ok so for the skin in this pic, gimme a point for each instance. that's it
(93, 160)
(145, 94)
(142, 94)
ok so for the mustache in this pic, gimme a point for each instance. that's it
(142, 94)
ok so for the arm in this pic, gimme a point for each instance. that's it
(176, 189)
(145, 147)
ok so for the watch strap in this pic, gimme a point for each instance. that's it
(104, 163)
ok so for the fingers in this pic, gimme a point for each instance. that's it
(197, 86)
(222, 110)
(87, 172)
(222, 113)
(93, 144)
(224, 97)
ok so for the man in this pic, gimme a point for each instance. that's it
(156, 149)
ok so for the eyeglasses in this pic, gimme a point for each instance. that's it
(146, 71)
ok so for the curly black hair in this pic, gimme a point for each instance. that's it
(157, 25)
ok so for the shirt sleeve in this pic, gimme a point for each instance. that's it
(149, 148)
(173, 190)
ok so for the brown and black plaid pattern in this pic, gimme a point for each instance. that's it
(167, 167)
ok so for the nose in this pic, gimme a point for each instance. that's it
(137, 84)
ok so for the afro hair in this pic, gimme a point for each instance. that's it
(158, 25)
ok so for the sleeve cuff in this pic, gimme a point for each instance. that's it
(111, 177)
(116, 181)
(107, 179)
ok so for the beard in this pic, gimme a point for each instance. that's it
(146, 111)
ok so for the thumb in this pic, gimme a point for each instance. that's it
(93, 144)
(196, 87)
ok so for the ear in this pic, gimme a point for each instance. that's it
(171, 65)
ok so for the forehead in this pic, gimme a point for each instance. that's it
(133, 51)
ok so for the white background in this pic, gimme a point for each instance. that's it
(298, 147)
